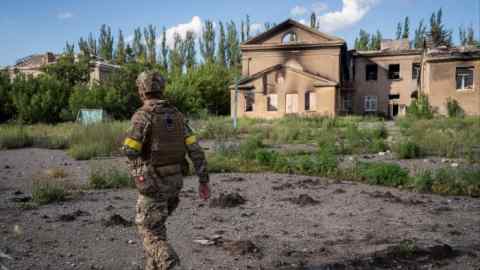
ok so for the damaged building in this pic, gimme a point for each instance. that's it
(294, 69)
(33, 65)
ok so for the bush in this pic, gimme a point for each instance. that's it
(219, 128)
(266, 157)
(420, 108)
(46, 191)
(423, 181)
(110, 177)
(249, 147)
(407, 150)
(12, 137)
(7, 109)
(454, 109)
(384, 174)
(38, 99)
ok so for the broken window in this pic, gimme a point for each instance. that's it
(310, 101)
(249, 101)
(289, 37)
(370, 104)
(415, 71)
(464, 78)
(347, 103)
(372, 72)
(394, 72)
(272, 103)
(394, 96)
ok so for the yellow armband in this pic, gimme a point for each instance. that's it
(133, 144)
(191, 140)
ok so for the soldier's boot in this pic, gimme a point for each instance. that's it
(165, 258)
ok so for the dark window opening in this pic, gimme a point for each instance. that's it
(289, 37)
(394, 96)
(394, 72)
(272, 103)
(464, 77)
(372, 72)
(415, 71)
(249, 102)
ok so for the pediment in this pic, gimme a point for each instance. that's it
(292, 32)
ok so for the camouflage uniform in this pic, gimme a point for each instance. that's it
(158, 185)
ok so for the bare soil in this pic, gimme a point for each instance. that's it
(284, 222)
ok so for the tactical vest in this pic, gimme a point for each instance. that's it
(167, 137)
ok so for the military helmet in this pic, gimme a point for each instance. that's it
(149, 82)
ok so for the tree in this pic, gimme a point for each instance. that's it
(92, 45)
(269, 25)
(420, 34)
(7, 109)
(164, 49)
(233, 46)
(69, 52)
(189, 50)
(242, 32)
(221, 56)
(150, 35)
(375, 41)
(69, 72)
(313, 21)
(129, 54)
(399, 30)
(175, 55)
(120, 52)
(138, 47)
(105, 41)
(362, 42)
(207, 42)
(438, 35)
(247, 27)
(84, 49)
(39, 99)
(467, 36)
(406, 28)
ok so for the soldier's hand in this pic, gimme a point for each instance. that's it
(204, 191)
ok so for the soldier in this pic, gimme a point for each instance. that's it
(156, 145)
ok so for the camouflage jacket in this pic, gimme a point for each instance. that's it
(137, 138)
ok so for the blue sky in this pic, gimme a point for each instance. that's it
(32, 26)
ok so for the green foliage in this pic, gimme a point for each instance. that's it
(109, 177)
(438, 34)
(207, 42)
(454, 109)
(103, 139)
(12, 137)
(7, 110)
(383, 174)
(407, 150)
(46, 191)
(219, 128)
(68, 72)
(39, 99)
(249, 147)
(449, 181)
(420, 108)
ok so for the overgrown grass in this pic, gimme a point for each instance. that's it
(12, 137)
(103, 139)
(109, 177)
(407, 150)
(444, 137)
(448, 181)
(46, 191)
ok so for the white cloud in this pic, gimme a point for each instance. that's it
(298, 11)
(352, 12)
(303, 21)
(195, 26)
(256, 28)
(319, 7)
(64, 15)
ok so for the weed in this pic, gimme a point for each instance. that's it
(249, 147)
(384, 174)
(56, 173)
(407, 150)
(45, 191)
(109, 177)
(12, 137)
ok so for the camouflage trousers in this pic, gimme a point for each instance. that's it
(152, 213)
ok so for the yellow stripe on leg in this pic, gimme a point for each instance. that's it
(133, 144)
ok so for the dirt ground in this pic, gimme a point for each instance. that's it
(257, 221)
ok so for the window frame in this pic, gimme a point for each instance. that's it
(269, 99)
(292, 33)
(416, 71)
(392, 73)
(367, 101)
(367, 73)
(249, 96)
(463, 87)
(347, 99)
(311, 105)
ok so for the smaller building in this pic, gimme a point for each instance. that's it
(452, 74)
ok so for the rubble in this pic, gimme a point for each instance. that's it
(227, 200)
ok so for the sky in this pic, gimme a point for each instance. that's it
(32, 26)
